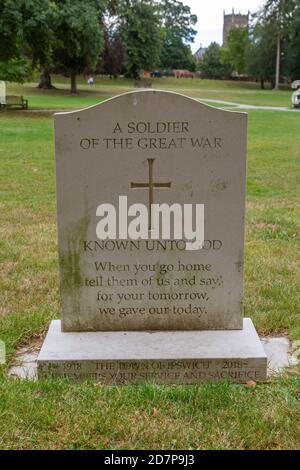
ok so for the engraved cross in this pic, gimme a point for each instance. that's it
(150, 186)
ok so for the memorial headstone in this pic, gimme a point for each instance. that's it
(151, 308)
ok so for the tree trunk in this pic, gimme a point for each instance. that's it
(73, 83)
(45, 80)
(277, 76)
(262, 84)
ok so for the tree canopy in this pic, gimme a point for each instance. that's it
(131, 36)
(260, 55)
(73, 36)
(78, 36)
(237, 44)
(213, 65)
(268, 50)
(177, 31)
(141, 35)
(25, 37)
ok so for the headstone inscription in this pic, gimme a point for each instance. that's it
(150, 147)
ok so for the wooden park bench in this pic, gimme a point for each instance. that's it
(16, 102)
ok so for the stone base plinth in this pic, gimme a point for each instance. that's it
(162, 357)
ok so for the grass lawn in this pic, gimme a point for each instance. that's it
(56, 414)
(242, 92)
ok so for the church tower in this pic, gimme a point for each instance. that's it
(233, 20)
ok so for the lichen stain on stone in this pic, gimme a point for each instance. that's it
(219, 185)
(239, 264)
(70, 262)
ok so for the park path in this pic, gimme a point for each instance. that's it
(230, 105)
(226, 105)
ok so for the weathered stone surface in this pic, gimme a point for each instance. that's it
(199, 155)
(280, 355)
(162, 357)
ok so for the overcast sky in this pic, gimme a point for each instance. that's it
(210, 17)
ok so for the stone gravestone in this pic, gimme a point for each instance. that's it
(151, 309)
(2, 93)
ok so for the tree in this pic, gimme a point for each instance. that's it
(261, 53)
(177, 55)
(293, 47)
(79, 39)
(38, 36)
(141, 35)
(9, 27)
(278, 14)
(15, 70)
(237, 44)
(212, 65)
(26, 36)
(113, 55)
(178, 31)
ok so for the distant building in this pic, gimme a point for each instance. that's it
(200, 53)
(233, 20)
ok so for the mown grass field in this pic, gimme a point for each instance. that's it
(237, 92)
(57, 414)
